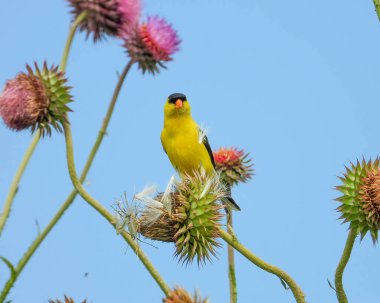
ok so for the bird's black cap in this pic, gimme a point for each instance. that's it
(173, 97)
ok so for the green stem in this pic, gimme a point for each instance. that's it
(377, 6)
(231, 261)
(341, 295)
(107, 215)
(70, 38)
(296, 290)
(16, 180)
(36, 243)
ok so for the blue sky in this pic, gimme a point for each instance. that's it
(293, 83)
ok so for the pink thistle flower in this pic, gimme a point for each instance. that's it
(35, 100)
(23, 102)
(233, 165)
(152, 43)
(159, 38)
(130, 11)
(107, 17)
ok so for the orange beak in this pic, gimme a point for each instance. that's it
(178, 103)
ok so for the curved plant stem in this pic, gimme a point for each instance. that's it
(107, 215)
(341, 295)
(69, 200)
(296, 290)
(377, 6)
(16, 180)
(70, 38)
(231, 261)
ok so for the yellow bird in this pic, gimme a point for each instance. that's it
(187, 148)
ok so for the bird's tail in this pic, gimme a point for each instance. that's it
(230, 203)
(227, 200)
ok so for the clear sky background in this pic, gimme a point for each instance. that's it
(294, 83)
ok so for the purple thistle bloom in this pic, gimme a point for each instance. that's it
(159, 38)
(23, 101)
(130, 11)
(151, 43)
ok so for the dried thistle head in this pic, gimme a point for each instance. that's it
(36, 100)
(193, 219)
(180, 295)
(361, 197)
(233, 165)
(67, 300)
(152, 43)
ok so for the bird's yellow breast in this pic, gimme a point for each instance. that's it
(180, 139)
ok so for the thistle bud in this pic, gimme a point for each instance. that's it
(187, 215)
(107, 17)
(233, 165)
(35, 100)
(152, 43)
(361, 197)
(180, 295)
(67, 300)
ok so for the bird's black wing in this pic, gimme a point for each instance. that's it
(208, 147)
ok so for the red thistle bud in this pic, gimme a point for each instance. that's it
(152, 43)
(107, 17)
(180, 295)
(35, 100)
(233, 165)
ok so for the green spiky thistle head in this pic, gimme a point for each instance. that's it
(187, 214)
(180, 295)
(58, 95)
(361, 197)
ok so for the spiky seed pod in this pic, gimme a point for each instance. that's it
(198, 217)
(36, 100)
(67, 300)
(191, 220)
(361, 197)
(152, 43)
(233, 165)
(180, 295)
(107, 17)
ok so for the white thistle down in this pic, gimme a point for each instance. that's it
(210, 181)
(153, 208)
(166, 197)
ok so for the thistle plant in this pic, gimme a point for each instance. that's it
(233, 165)
(67, 300)
(360, 200)
(180, 295)
(36, 100)
(360, 207)
(106, 17)
(188, 214)
(152, 43)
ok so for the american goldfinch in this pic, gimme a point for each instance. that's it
(184, 142)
